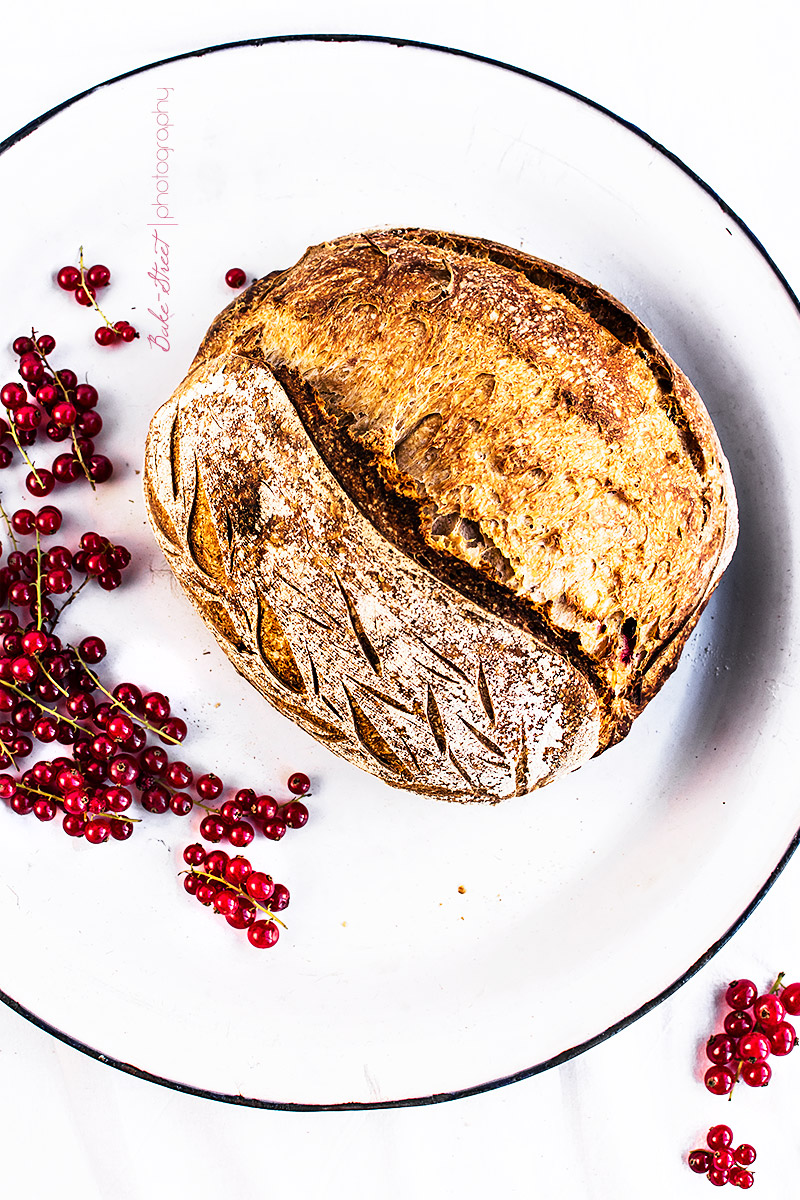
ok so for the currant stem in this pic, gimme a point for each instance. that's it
(79, 456)
(86, 288)
(134, 716)
(43, 707)
(30, 790)
(239, 892)
(5, 750)
(9, 526)
(778, 982)
(54, 682)
(67, 603)
(21, 449)
(38, 582)
(64, 393)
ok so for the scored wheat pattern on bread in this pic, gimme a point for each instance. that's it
(360, 551)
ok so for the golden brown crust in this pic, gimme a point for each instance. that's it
(485, 439)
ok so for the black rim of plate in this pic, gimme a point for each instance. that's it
(648, 1006)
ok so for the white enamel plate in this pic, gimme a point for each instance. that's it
(432, 949)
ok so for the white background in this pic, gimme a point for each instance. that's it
(718, 85)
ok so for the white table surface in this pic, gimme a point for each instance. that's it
(721, 89)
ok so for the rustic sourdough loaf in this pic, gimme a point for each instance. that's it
(449, 507)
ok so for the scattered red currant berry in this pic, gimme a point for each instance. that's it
(769, 1010)
(719, 1080)
(235, 278)
(298, 783)
(757, 1074)
(700, 1161)
(68, 278)
(295, 814)
(98, 276)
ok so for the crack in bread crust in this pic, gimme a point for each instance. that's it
(503, 425)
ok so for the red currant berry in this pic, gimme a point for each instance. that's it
(724, 1160)
(31, 368)
(121, 830)
(769, 1010)
(247, 798)
(46, 343)
(700, 1161)
(756, 1074)
(68, 278)
(45, 809)
(216, 862)
(241, 834)
(190, 884)
(48, 520)
(22, 804)
(263, 934)
(58, 582)
(173, 730)
(181, 804)
(68, 379)
(194, 855)
(47, 394)
(298, 783)
(154, 759)
(64, 414)
(92, 650)
(22, 345)
(235, 278)
(209, 786)
(718, 1176)
(295, 814)
(88, 423)
(231, 811)
(790, 996)
(34, 641)
(244, 916)
(5, 457)
(179, 774)
(205, 893)
(238, 870)
(782, 1039)
(85, 395)
(155, 799)
(120, 728)
(98, 275)
(84, 294)
(212, 829)
(23, 521)
(739, 1022)
(128, 333)
(123, 769)
(157, 708)
(718, 1080)
(741, 1178)
(259, 885)
(99, 468)
(40, 482)
(275, 829)
(24, 669)
(109, 580)
(753, 1046)
(279, 900)
(74, 824)
(266, 808)
(118, 799)
(104, 336)
(66, 468)
(745, 1155)
(226, 902)
(27, 417)
(12, 395)
(98, 830)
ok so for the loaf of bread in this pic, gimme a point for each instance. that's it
(449, 507)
